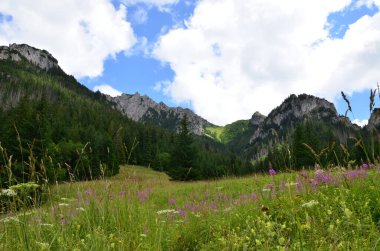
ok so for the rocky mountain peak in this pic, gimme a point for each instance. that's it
(293, 110)
(134, 106)
(257, 118)
(301, 106)
(374, 120)
(144, 109)
(17, 52)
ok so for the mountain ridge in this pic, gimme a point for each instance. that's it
(142, 108)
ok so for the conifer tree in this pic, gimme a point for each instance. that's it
(183, 154)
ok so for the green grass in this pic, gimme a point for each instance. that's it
(215, 132)
(227, 133)
(141, 209)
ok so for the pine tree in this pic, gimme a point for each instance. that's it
(183, 154)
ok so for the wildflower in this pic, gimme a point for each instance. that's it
(80, 209)
(63, 204)
(8, 192)
(364, 166)
(168, 211)
(143, 235)
(310, 203)
(63, 221)
(181, 212)
(171, 201)
(290, 184)
(10, 219)
(272, 172)
(46, 225)
(43, 245)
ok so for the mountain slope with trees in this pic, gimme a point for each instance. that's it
(53, 128)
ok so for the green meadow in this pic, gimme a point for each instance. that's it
(141, 209)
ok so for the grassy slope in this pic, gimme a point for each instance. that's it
(127, 212)
(227, 133)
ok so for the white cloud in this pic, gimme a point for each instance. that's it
(152, 2)
(360, 123)
(107, 89)
(162, 86)
(242, 56)
(80, 34)
(162, 5)
(140, 16)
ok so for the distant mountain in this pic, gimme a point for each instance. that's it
(264, 132)
(144, 109)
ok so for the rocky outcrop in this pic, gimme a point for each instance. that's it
(18, 52)
(144, 109)
(256, 119)
(295, 110)
(374, 120)
(299, 107)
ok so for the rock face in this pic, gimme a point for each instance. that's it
(374, 120)
(256, 119)
(144, 109)
(294, 110)
(17, 52)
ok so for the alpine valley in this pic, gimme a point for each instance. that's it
(52, 123)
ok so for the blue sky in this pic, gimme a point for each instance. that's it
(166, 49)
(125, 73)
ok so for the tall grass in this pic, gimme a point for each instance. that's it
(140, 209)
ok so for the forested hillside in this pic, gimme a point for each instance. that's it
(54, 128)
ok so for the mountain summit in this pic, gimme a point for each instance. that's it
(144, 109)
(40, 58)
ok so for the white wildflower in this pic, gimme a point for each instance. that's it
(310, 203)
(67, 199)
(168, 211)
(10, 219)
(80, 209)
(63, 204)
(43, 245)
(8, 192)
(290, 184)
(46, 225)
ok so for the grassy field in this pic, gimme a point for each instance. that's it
(140, 209)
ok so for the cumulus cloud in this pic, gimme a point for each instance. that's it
(158, 3)
(360, 123)
(107, 89)
(245, 56)
(80, 34)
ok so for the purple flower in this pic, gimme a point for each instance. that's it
(272, 172)
(364, 166)
(181, 212)
(171, 201)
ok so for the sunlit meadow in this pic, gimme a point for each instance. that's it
(140, 209)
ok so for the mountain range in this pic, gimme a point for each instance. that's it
(253, 137)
